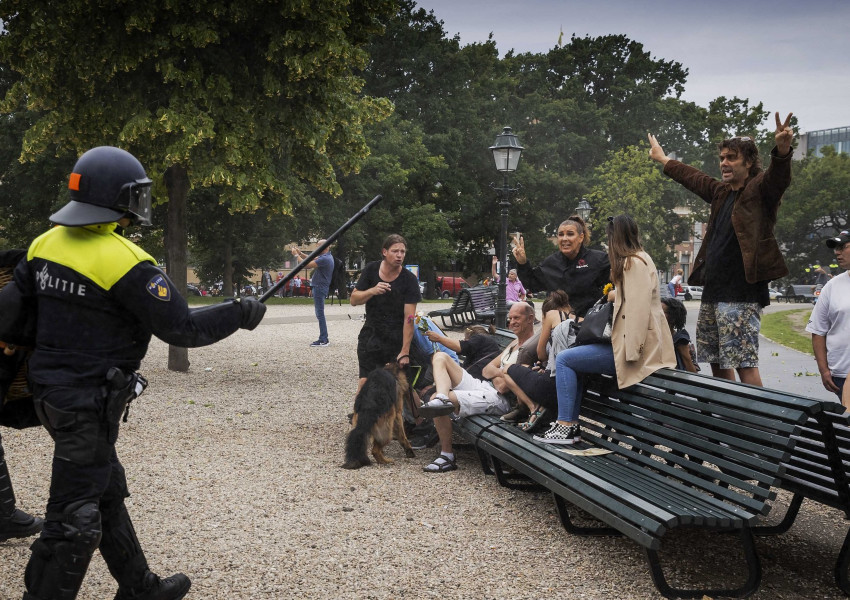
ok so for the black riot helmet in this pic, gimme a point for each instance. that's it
(106, 184)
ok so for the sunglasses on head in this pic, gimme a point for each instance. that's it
(742, 138)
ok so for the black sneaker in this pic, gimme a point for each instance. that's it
(319, 344)
(560, 434)
(426, 439)
(19, 525)
(159, 588)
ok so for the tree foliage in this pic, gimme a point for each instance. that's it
(629, 182)
(281, 109)
(815, 207)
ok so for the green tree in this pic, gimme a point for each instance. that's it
(815, 206)
(628, 182)
(258, 98)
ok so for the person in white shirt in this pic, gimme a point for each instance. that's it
(830, 322)
(674, 282)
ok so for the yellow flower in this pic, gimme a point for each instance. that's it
(608, 287)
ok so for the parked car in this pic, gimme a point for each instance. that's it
(192, 290)
(774, 294)
(693, 292)
(450, 286)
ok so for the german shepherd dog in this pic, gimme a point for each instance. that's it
(378, 417)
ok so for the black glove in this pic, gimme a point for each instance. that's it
(252, 312)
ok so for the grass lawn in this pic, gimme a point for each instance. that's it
(788, 327)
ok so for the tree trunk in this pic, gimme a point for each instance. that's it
(177, 184)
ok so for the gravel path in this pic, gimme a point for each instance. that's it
(234, 471)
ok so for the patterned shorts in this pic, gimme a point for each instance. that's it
(728, 334)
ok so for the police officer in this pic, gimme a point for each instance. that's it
(14, 523)
(99, 299)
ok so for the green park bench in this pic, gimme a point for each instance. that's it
(670, 455)
(459, 313)
(483, 300)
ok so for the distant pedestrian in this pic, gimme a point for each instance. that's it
(673, 284)
(739, 254)
(323, 268)
(830, 322)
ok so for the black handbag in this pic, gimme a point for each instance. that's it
(596, 327)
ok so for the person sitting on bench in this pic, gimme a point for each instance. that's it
(461, 395)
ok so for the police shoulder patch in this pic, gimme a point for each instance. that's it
(159, 288)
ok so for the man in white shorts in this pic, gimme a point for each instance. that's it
(459, 394)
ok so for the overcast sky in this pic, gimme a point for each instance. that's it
(793, 55)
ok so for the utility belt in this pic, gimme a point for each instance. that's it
(122, 388)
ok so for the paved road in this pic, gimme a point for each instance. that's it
(778, 364)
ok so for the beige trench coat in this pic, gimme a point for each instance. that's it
(640, 335)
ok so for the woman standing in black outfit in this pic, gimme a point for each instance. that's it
(574, 268)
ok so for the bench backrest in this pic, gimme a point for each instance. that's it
(729, 446)
(803, 290)
(819, 465)
(483, 297)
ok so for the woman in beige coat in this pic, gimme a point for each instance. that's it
(640, 339)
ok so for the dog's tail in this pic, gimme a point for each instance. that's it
(371, 403)
(358, 439)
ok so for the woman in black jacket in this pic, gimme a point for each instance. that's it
(574, 268)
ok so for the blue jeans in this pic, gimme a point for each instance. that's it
(671, 288)
(319, 296)
(570, 364)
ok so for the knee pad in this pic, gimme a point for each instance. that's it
(57, 566)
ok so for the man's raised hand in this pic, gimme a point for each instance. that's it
(519, 250)
(656, 152)
(784, 134)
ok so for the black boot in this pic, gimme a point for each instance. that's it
(123, 554)
(158, 588)
(14, 523)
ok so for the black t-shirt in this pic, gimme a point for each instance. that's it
(725, 280)
(387, 310)
(478, 351)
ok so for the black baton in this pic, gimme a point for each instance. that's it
(270, 292)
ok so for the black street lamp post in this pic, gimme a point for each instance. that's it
(506, 152)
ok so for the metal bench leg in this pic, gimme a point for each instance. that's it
(564, 514)
(750, 585)
(787, 520)
(503, 480)
(484, 458)
(841, 566)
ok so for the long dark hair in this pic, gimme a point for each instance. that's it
(557, 299)
(623, 244)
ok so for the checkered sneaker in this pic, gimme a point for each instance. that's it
(560, 434)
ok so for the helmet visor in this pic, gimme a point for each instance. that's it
(138, 202)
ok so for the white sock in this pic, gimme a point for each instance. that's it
(449, 455)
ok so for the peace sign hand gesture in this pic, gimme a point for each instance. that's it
(519, 250)
(656, 152)
(784, 134)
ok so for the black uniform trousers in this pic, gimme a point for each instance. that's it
(85, 464)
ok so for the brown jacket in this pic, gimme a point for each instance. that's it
(640, 335)
(753, 216)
